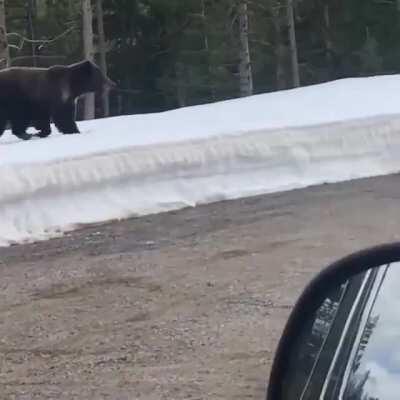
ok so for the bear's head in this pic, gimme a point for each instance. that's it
(86, 77)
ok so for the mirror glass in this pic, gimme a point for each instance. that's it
(350, 348)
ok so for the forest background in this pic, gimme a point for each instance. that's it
(165, 54)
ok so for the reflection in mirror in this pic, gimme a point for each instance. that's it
(350, 348)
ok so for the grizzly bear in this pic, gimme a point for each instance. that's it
(38, 96)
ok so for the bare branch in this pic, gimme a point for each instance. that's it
(258, 5)
(160, 53)
(388, 2)
(196, 15)
(261, 42)
(42, 42)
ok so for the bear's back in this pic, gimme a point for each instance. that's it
(21, 83)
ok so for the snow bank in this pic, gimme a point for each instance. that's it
(135, 165)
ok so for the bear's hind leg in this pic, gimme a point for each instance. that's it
(3, 124)
(20, 116)
(4, 118)
(18, 128)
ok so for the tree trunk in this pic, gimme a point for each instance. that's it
(4, 50)
(181, 84)
(207, 49)
(203, 14)
(102, 52)
(31, 30)
(120, 104)
(279, 48)
(293, 44)
(41, 8)
(245, 73)
(88, 51)
(327, 37)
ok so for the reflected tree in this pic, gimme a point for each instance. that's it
(355, 389)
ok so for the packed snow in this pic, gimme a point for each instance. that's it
(135, 165)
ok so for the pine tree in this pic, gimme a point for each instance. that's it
(245, 71)
(88, 52)
(293, 44)
(102, 53)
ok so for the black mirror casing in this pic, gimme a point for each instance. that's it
(313, 296)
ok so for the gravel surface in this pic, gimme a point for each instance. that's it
(182, 305)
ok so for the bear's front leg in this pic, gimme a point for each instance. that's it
(64, 119)
(43, 126)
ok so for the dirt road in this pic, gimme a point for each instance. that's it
(184, 305)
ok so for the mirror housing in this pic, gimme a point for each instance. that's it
(311, 300)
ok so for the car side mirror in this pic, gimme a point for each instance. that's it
(341, 340)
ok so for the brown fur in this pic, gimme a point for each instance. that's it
(37, 96)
